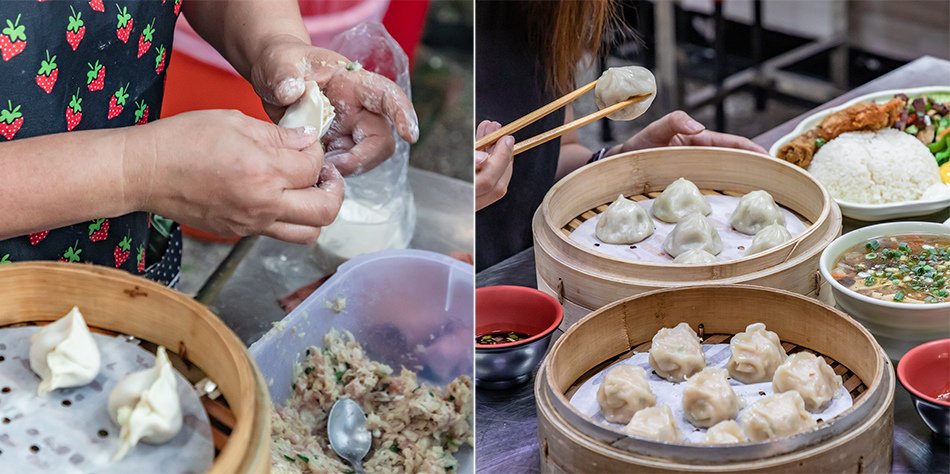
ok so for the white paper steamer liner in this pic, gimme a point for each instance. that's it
(68, 436)
(671, 394)
(734, 243)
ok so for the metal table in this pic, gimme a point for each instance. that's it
(506, 421)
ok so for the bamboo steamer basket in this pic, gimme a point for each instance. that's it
(584, 280)
(858, 440)
(199, 344)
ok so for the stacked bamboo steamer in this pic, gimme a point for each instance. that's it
(584, 280)
(199, 343)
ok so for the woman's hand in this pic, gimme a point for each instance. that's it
(366, 103)
(679, 129)
(492, 167)
(231, 174)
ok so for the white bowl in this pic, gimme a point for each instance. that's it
(898, 327)
(872, 212)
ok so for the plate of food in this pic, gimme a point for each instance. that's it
(883, 155)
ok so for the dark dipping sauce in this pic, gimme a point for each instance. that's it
(912, 269)
(500, 337)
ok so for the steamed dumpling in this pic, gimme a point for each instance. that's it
(756, 353)
(625, 391)
(755, 211)
(618, 84)
(313, 109)
(693, 232)
(708, 398)
(770, 236)
(624, 222)
(655, 423)
(676, 353)
(725, 432)
(775, 416)
(695, 257)
(145, 405)
(64, 354)
(680, 199)
(811, 377)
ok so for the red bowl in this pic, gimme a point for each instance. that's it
(925, 371)
(518, 309)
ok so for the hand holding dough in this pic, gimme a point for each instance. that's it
(313, 109)
(618, 84)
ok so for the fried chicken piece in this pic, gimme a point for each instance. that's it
(800, 150)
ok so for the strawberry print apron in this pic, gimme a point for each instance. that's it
(71, 65)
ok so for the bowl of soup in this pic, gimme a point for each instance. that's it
(895, 279)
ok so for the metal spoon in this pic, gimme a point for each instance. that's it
(347, 431)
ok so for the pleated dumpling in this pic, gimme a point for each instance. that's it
(680, 199)
(624, 391)
(64, 354)
(755, 211)
(775, 416)
(676, 353)
(624, 222)
(756, 353)
(811, 377)
(725, 432)
(708, 398)
(312, 109)
(770, 236)
(693, 232)
(618, 84)
(655, 423)
(695, 257)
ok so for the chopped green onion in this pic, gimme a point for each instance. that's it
(899, 296)
(871, 256)
(820, 142)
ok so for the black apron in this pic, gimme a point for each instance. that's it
(82, 65)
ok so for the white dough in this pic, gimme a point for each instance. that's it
(145, 405)
(64, 354)
(695, 257)
(618, 84)
(755, 211)
(313, 109)
(676, 353)
(693, 232)
(624, 222)
(708, 398)
(770, 236)
(625, 391)
(756, 353)
(811, 377)
(725, 432)
(655, 423)
(680, 199)
(775, 416)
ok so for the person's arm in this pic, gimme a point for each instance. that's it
(573, 155)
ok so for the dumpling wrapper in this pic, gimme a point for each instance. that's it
(676, 353)
(811, 377)
(618, 84)
(770, 236)
(655, 423)
(695, 257)
(64, 354)
(693, 232)
(624, 391)
(725, 432)
(708, 399)
(313, 109)
(624, 222)
(756, 354)
(680, 199)
(755, 211)
(776, 416)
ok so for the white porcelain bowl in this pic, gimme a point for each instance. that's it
(898, 327)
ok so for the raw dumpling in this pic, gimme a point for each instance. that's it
(676, 353)
(756, 353)
(775, 416)
(680, 199)
(770, 236)
(693, 232)
(624, 392)
(811, 377)
(725, 432)
(145, 405)
(624, 222)
(695, 257)
(618, 84)
(655, 423)
(313, 109)
(708, 398)
(64, 354)
(755, 211)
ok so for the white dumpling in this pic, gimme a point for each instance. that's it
(756, 353)
(811, 377)
(624, 222)
(725, 432)
(695, 257)
(693, 232)
(655, 423)
(618, 84)
(755, 211)
(145, 405)
(676, 353)
(313, 109)
(624, 391)
(708, 398)
(680, 199)
(775, 416)
(64, 354)
(770, 236)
